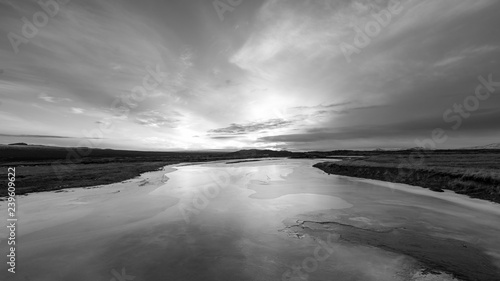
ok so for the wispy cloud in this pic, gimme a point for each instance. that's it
(469, 52)
(252, 127)
(45, 97)
(76, 110)
(41, 136)
(156, 119)
(272, 76)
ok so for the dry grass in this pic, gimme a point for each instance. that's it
(475, 175)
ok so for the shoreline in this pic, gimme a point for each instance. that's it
(485, 188)
(430, 256)
(106, 173)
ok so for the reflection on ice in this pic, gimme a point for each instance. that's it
(242, 221)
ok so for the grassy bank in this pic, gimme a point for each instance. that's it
(46, 168)
(477, 177)
(42, 177)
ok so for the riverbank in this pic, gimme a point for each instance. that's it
(476, 183)
(47, 168)
(246, 225)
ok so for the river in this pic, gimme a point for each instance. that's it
(261, 220)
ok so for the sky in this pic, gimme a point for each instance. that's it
(239, 74)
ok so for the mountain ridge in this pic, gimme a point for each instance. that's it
(488, 146)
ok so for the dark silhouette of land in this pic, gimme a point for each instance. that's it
(475, 172)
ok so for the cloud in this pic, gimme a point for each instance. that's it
(408, 130)
(466, 53)
(43, 136)
(279, 78)
(322, 107)
(157, 119)
(76, 110)
(286, 29)
(223, 137)
(252, 127)
(52, 99)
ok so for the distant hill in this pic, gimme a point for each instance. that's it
(18, 143)
(42, 153)
(21, 152)
(416, 148)
(489, 146)
(261, 153)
